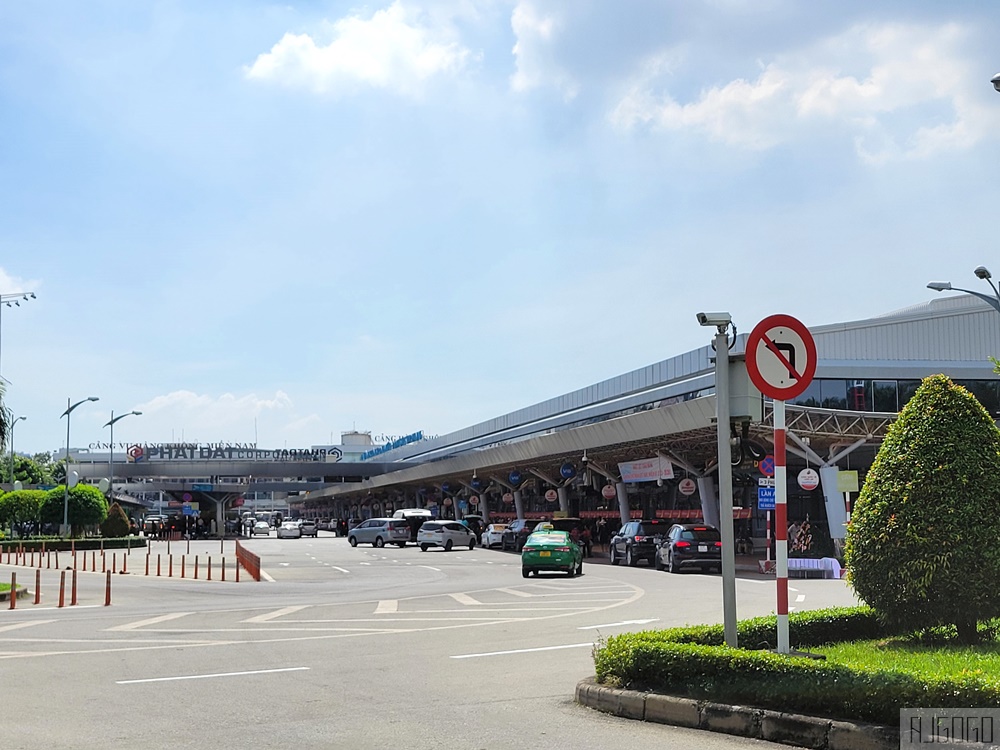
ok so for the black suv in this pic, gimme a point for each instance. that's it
(638, 540)
(516, 533)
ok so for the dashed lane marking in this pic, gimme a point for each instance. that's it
(151, 621)
(19, 625)
(387, 607)
(268, 616)
(209, 676)
(465, 599)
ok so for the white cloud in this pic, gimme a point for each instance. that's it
(199, 417)
(909, 94)
(533, 54)
(392, 50)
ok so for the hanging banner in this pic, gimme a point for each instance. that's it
(647, 470)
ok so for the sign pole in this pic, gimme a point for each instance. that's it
(725, 487)
(781, 524)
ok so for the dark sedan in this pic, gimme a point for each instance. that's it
(690, 545)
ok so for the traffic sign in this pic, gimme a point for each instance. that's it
(608, 491)
(687, 486)
(767, 466)
(781, 357)
(765, 498)
(808, 479)
(765, 481)
(201, 487)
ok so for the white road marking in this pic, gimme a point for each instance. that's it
(523, 651)
(151, 621)
(277, 613)
(617, 624)
(19, 625)
(207, 676)
(437, 570)
(800, 598)
(266, 577)
(515, 592)
(465, 599)
(342, 570)
(387, 607)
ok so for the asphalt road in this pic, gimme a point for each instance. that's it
(346, 648)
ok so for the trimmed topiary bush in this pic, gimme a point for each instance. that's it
(116, 524)
(922, 546)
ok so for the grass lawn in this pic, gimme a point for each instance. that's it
(4, 587)
(925, 659)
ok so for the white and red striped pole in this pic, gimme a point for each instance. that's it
(781, 525)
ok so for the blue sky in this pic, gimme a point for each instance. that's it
(278, 222)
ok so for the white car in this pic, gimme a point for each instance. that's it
(445, 534)
(493, 535)
(289, 530)
(262, 527)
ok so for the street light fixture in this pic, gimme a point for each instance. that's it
(111, 453)
(15, 299)
(12, 423)
(983, 273)
(69, 410)
(995, 80)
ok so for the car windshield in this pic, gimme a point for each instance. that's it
(652, 528)
(701, 534)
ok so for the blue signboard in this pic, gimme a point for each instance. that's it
(201, 487)
(567, 471)
(476, 483)
(765, 498)
(514, 478)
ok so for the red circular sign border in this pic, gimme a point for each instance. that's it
(787, 321)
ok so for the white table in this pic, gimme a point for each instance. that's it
(828, 566)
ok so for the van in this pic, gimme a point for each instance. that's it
(414, 518)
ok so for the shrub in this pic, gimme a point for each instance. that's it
(921, 546)
(116, 524)
(86, 506)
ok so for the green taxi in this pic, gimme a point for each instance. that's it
(547, 549)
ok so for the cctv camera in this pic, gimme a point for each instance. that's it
(720, 319)
(982, 273)
(995, 80)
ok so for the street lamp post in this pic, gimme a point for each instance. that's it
(9, 300)
(983, 273)
(995, 80)
(111, 453)
(12, 423)
(69, 410)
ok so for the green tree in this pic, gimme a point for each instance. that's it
(921, 546)
(46, 465)
(116, 525)
(20, 506)
(86, 507)
(26, 470)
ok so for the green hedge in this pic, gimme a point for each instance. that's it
(58, 543)
(693, 662)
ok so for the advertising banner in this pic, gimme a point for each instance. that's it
(646, 470)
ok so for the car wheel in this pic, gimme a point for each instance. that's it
(353, 541)
(630, 558)
(525, 572)
(571, 572)
(448, 545)
(423, 547)
(614, 557)
(658, 563)
(472, 544)
(579, 569)
(379, 542)
(401, 544)
(671, 568)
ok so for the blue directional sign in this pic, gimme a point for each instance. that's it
(201, 487)
(765, 498)
(567, 471)
(514, 477)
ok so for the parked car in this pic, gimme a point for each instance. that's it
(309, 527)
(415, 517)
(690, 545)
(262, 527)
(289, 530)
(551, 550)
(516, 533)
(379, 532)
(475, 523)
(493, 535)
(638, 540)
(447, 534)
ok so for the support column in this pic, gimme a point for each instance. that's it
(836, 509)
(518, 504)
(623, 508)
(563, 499)
(220, 518)
(709, 502)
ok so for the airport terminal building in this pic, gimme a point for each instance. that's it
(640, 444)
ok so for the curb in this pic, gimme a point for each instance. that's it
(21, 593)
(744, 721)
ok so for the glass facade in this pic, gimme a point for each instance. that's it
(886, 395)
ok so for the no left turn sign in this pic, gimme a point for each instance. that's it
(781, 357)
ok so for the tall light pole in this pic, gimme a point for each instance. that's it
(10, 300)
(995, 80)
(12, 423)
(111, 453)
(982, 273)
(69, 410)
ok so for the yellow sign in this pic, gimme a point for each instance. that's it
(847, 481)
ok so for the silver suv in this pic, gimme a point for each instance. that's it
(379, 532)
(445, 534)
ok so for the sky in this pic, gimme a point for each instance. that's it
(272, 223)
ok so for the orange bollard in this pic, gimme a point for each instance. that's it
(107, 591)
(62, 588)
(93, 562)
(182, 565)
(147, 563)
(210, 568)
(38, 586)
(13, 590)
(196, 567)
(57, 559)
(32, 558)
(72, 591)
(237, 570)
(125, 563)
(157, 565)
(223, 568)
(104, 564)
(168, 545)
(114, 560)
(170, 567)
(188, 546)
